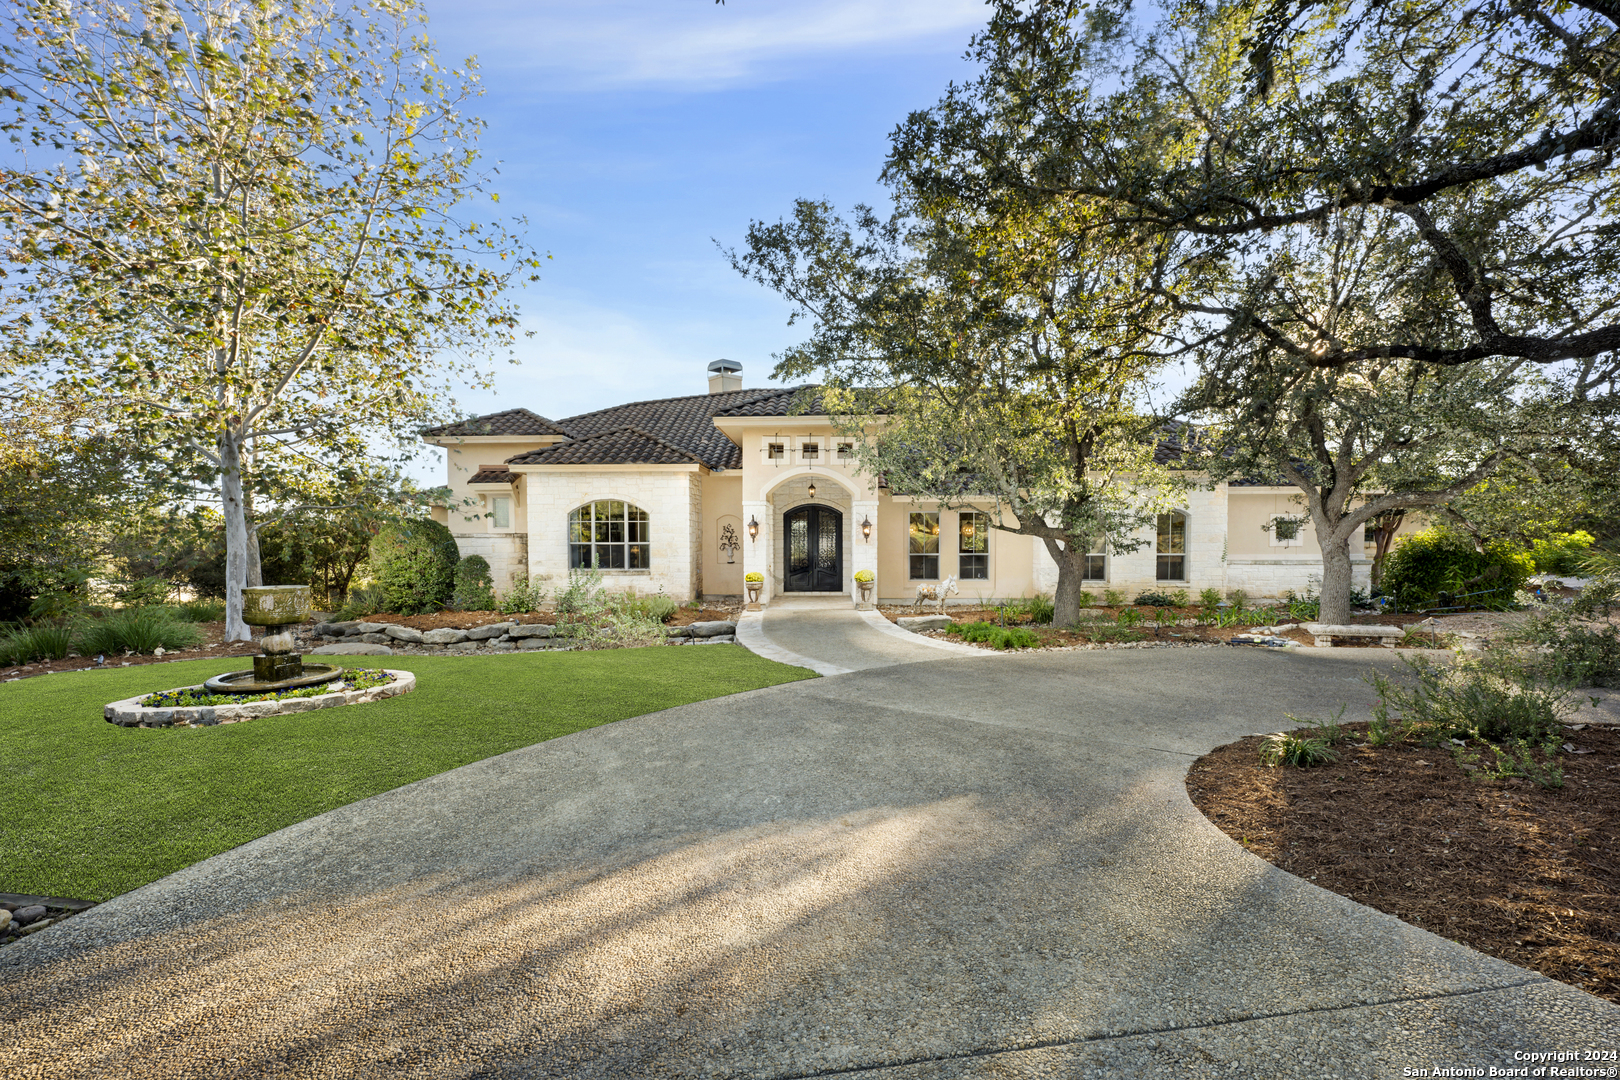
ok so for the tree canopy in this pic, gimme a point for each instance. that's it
(243, 225)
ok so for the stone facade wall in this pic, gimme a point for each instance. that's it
(669, 494)
(506, 552)
(1273, 577)
(1137, 571)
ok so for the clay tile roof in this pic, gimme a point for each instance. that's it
(621, 446)
(510, 422)
(493, 476)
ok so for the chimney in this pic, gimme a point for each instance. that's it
(724, 375)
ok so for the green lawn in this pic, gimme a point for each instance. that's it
(91, 810)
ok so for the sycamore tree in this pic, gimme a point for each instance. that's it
(242, 222)
(985, 361)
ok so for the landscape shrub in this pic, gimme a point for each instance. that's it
(1574, 645)
(1438, 561)
(657, 608)
(474, 589)
(1488, 698)
(1113, 597)
(522, 597)
(1153, 598)
(997, 637)
(138, 630)
(1563, 554)
(142, 592)
(414, 563)
(1209, 599)
(367, 599)
(1041, 609)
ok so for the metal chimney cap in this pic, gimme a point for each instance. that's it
(724, 367)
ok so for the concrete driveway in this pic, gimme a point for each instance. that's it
(964, 868)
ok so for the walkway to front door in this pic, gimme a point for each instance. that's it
(813, 549)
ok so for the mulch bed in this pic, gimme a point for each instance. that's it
(1522, 873)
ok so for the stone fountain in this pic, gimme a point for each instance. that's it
(279, 666)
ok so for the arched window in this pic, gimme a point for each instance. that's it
(609, 534)
(1172, 546)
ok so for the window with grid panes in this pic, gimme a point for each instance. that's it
(610, 535)
(1172, 547)
(973, 546)
(924, 547)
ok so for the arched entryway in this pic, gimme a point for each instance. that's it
(813, 549)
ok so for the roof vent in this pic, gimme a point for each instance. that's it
(725, 375)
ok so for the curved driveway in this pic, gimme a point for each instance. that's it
(962, 868)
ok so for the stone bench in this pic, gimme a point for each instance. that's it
(1324, 633)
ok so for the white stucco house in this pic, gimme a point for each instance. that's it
(688, 494)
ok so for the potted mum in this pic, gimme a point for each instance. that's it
(864, 582)
(754, 582)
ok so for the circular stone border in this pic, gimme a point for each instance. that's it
(130, 713)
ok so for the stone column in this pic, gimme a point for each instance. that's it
(757, 551)
(863, 553)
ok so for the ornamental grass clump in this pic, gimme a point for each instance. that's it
(138, 630)
(26, 644)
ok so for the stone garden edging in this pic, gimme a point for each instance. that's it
(130, 713)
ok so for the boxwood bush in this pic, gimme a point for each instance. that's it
(414, 564)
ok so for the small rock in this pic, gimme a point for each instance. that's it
(712, 629)
(720, 640)
(462, 648)
(503, 646)
(679, 631)
(405, 633)
(493, 630)
(34, 927)
(353, 648)
(536, 630)
(5, 920)
(444, 636)
(373, 639)
(367, 628)
(31, 914)
(531, 644)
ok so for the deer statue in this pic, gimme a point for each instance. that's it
(935, 594)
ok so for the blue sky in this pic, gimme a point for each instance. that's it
(633, 134)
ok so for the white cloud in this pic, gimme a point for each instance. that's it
(696, 44)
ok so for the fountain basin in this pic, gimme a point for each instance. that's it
(248, 682)
(131, 713)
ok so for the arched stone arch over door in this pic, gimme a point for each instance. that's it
(813, 549)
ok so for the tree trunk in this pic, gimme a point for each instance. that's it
(1071, 578)
(236, 534)
(1335, 577)
(255, 568)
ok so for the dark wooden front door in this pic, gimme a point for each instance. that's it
(813, 544)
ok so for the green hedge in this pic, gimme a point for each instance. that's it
(414, 563)
(475, 589)
(1435, 561)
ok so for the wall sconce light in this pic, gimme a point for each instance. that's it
(753, 527)
(812, 489)
(866, 528)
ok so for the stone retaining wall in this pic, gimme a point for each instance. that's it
(387, 639)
